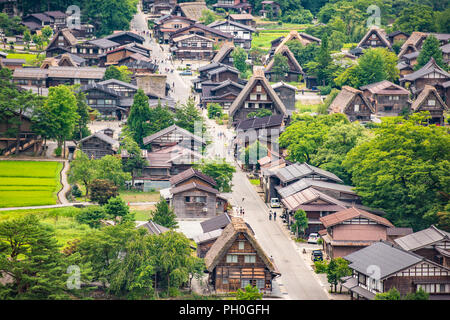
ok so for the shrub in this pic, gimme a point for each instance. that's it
(76, 192)
(320, 266)
(102, 191)
(58, 152)
(91, 216)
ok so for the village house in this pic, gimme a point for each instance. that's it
(394, 268)
(430, 74)
(302, 37)
(236, 260)
(446, 53)
(37, 21)
(83, 31)
(375, 38)
(223, 93)
(91, 50)
(194, 195)
(12, 64)
(56, 75)
(397, 232)
(241, 32)
(10, 7)
(125, 37)
(191, 10)
(213, 75)
(234, 5)
(257, 94)
(192, 47)
(61, 43)
(125, 54)
(63, 60)
(429, 100)
(98, 145)
(217, 36)
(387, 98)
(270, 9)
(166, 25)
(432, 244)
(224, 55)
(244, 18)
(174, 135)
(286, 92)
(154, 85)
(29, 141)
(294, 72)
(160, 7)
(282, 177)
(350, 230)
(353, 104)
(397, 36)
(151, 227)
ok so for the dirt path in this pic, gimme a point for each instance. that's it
(65, 184)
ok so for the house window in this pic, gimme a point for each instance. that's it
(260, 283)
(187, 199)
(374, 43)
(200, 199)
(250, 259)
(241, 245)
(232, 258)
(362, 279)
(431, 102)
(264, 97)
(356, 107)
(245, 282)
(225, 281)
(108, 101)
(253, 97)
(258, 88)
(92, 101)
(388, 108)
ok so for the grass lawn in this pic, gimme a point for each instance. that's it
(29, 183)
(254, 182)
(29, 57)
(263, 39)
(137, 196)
(62, 220)
(306, 107)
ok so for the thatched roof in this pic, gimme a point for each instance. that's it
(345, 97)
(430, 67)
(67, 35)
(192, 10)
(380, 33)
(287, 53)
(413, 42)
(227, 238)
(226, 49)
(304, 39)
(258, 77)
(426, 92)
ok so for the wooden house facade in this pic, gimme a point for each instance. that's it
(286, 92)
(224, 55)
(172, 136)
(257, 94)
(429, 100)
(192, 10)
(394, 268)
(375, 38)
(244, 18)
(61, 43)
(217, 36)
(241, 32)
(223, 93)
(353, 104)
(350, 230)
(167, 25)
(234, 5)
(192, 47)
(98, 145)
(236, 260)
(387, 98)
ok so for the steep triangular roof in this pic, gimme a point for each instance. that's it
(306, 196)
(287, 53)
(304, 39)
(345, 97)
(258, 76)
(430, 67)
(384, 87)
(228, 237)
(426, 92)
(66, 34)
(191, 10)
(225, 50)
(189, 173)
(412, 42)
(379, 32)
(170, 129)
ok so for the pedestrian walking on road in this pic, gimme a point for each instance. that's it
(270, 214)
(243, 212)
(274, 215)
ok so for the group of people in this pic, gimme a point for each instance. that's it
(274, 215)
(241, 211)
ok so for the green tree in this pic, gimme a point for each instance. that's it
(444, 218)
(303, 137)
(342, 270)
(91, 216)
(220, 171)
(164, 215)
(138, 117)
(38, 41)
(46, 33)
(251, 154)
(81, 130)
(300, 222)
(110, 168)
(188, 117)
(134, 163)
(214, 110)
(430, 49)
(389, 169)
(118, 210)
(208, 17)
(280, 66)
(102, 191)
(30, 256)
(249, 293)
(392, 294)
(119, 73)
(82, 170)
(239, 56)
(27, 38)
(417, 17)
(60, 110)
(259, 114)
(332, 275)
(161, 118)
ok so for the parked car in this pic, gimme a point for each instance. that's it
(313, 238)
(275, 203)
(186, 73)
(317, 255)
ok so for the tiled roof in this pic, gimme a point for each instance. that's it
(298, 171)
(219, 222)
(263, 122)
(189, 173)
(351, 213)
(422, 238)
(191, 186)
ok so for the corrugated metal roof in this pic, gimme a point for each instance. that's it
(215, 223)
(298, 171)
(422, 238)
(207, 236)
(306, 183)
(383, 258)
(351, 213)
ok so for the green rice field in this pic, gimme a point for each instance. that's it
(29, 183)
